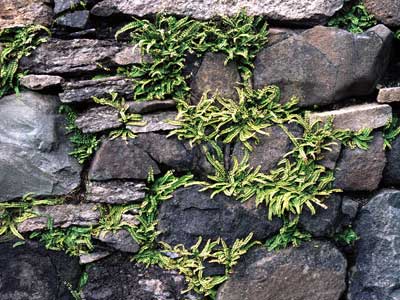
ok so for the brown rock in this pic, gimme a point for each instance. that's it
(389, 95)
(386, 11)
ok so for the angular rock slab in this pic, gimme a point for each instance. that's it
(115, 192)
(24, 12)
(361, 170)
(305, 12)
(84, 90)
(118, 278)
(62, 216)
(389, 95)
(324, 65)
(34, 149)
(150, 106)
(120, 240)
(356, 117)
(117, 159)
(386, 11)
(97, 119)
(32, 272)
(75, 20)
(376, 272)
(314, 271)
(391, 174)
(73, 57)
(41, 82)
(155, 122)
(190, 214)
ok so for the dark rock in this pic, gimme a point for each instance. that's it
(141, 107)
(375, 274)
(349, 212)
(215, 77)
(76, 20)
(190, 214)
(82, 91)
(120, 240)
(32, 272)
(361, 170)
(24, 12)
(97, 119)
(117, 159)
(118, 278)
(356, 117)
(386, 11)
(73, 57)
(278, 34)
(314, 271)
(270, 149)
(62, 216)
(389, 95)
(41, 82)
(302, 12)
(64, 5)
(115, 192)
(308, 65)
(34, 149)
(330, 157)
(155, 122)
(391, 173)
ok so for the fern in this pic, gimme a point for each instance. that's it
(391, 132)
(347, 237)
(17, 43)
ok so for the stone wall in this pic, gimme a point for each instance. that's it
(349, 79)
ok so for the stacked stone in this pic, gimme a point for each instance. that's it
(325, 67)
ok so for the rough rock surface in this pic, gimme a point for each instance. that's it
(24, 12)
(376, 271)
(391, 173)
(120, 240)
(389, 95)
(357, 117)
(330, 157)
(84, 90)
(155, 122)
(386, 11)
(118, 278)
(117, 159)
(31, 272)
(92, 257)
(361, 170)
(64, 5)
(114, 192)
(73, 57)
(76, 20)
(270, 149)
(141, 107)
(190, 214)
(97, 119)
(34, 149)
(62, 216)
(215, 77)
(306, 12)
(310, 67)
(41, 82)
(314, 271)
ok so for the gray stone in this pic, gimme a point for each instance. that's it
(64, 5)
(41, 82)
(97, 119)
(118, 278)
(73, 57)
(309, 66)
(391, 173)
(115, 192)
(63, 216)
(356, 117)
(117, 159)
(77, 20)
(129, 55)
(141, 107)
(32, 272)
(214, 77)
(120, 240)
(92, 257)
(83, 91)
(386, 11)
(155, 122)
(24, 12)
(34, 149)
(314, 271)
(376, 275)
(305, 12)
(389, 95)
(270, 149)
(361, 170)
(190, 214)
(330, 157)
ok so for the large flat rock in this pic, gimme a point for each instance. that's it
(306, 12)
(325, 65)
(34, 148)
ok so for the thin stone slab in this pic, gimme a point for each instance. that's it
(92, 257)
(41, 82)
(141, 107)
(155, 122)
(97, 119)
(115, 192)
(389, 95)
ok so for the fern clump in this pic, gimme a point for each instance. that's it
(391, 132)
(226, 120)
(17, 43)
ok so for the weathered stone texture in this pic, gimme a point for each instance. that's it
(114, 192)
(41, 82)
(389, 95)
(386, 11)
